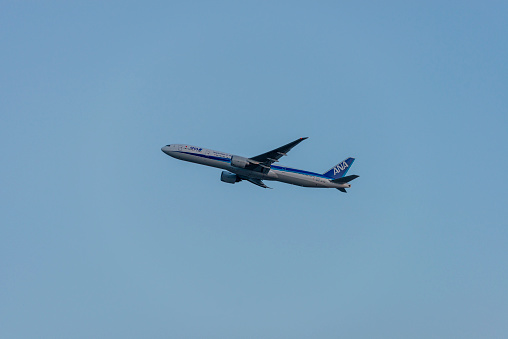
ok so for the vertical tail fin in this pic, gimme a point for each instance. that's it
(339, 170)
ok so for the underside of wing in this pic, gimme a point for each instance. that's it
(257, 182)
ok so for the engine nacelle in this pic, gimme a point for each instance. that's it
(230, 178)
(239, 161)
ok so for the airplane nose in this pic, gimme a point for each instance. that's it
(165, 149)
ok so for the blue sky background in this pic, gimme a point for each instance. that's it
(104, 236)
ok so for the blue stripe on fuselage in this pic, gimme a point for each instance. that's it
(206, 156)
(294, 170)
(274, 167)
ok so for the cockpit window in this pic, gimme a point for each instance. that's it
(168, 145)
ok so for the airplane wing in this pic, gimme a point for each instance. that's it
(265, 160)
(258, 182)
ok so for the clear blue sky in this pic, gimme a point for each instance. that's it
(104, 236)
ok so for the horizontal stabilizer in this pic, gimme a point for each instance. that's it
(342, 190)
(345, 179)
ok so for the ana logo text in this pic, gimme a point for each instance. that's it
(195, 148)
(340, 167)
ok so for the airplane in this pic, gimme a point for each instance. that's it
(261, 167)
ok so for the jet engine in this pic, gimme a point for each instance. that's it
(230, 178)
(239, 161)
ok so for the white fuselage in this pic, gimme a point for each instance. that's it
(222, 160)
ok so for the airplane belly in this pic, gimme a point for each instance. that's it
(246, 173)
(201, 160)
(296, 179)
(218, 164)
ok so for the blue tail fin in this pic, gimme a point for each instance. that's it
(339, 170)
